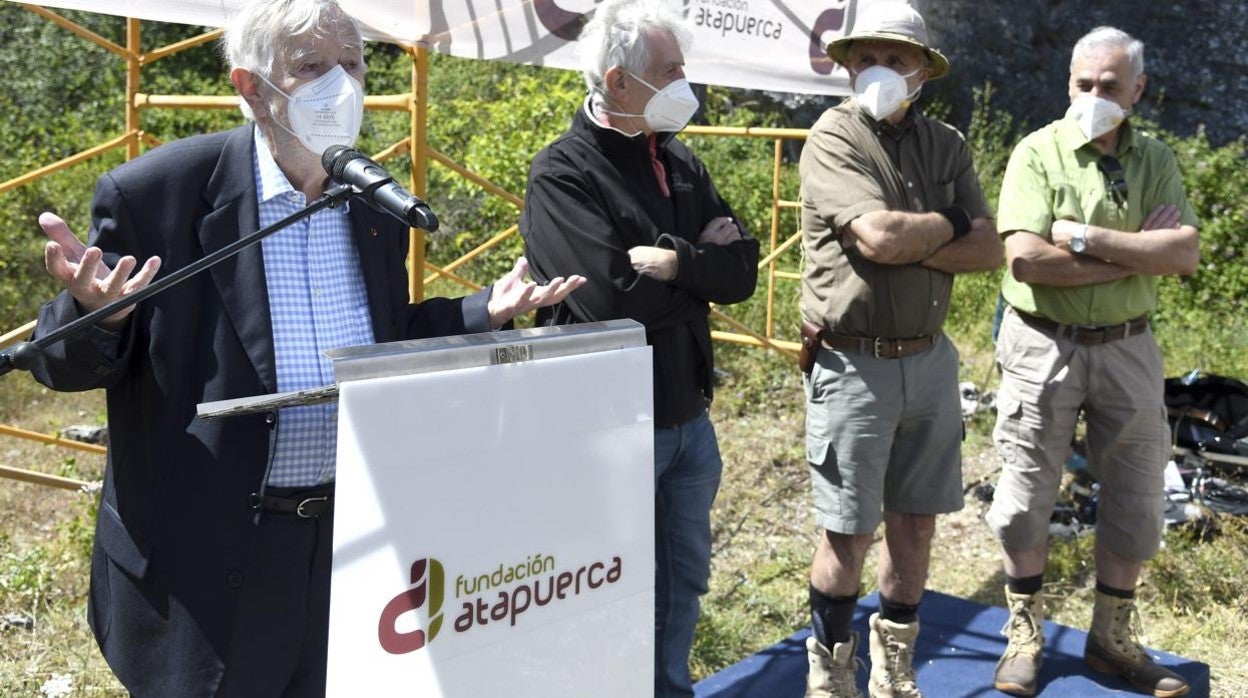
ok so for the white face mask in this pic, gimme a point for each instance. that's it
(325, 111)
(1096, 116)
(670, 109)
(882, 91)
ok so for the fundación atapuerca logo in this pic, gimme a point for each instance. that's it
(504, 593)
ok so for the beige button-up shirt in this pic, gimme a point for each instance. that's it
(852, 165)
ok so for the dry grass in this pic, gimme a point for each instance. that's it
(44, 545)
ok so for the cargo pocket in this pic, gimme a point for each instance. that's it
(1007, 432)
(818, 433)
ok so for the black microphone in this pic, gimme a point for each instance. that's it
(376, 187)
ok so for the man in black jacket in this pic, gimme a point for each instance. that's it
(210, 573)
(619, 199)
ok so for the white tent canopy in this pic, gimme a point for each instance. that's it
(758, 44)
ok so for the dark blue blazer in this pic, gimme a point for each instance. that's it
(175, 531)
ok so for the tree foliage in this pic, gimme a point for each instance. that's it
(64, 95)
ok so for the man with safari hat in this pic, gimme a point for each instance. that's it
(891, 211)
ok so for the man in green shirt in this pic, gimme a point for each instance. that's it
(1092, 212)
(891, 211)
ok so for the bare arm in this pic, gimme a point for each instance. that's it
(898, 237)
(1163, 245)
(978, 250)
(1033, 260)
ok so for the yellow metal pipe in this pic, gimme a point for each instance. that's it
(78, 30)
(49, 439)
(784, 246)
(150, 101)
(777, 154)
(789, 204)
(475, 178)
(32, 477)
(162, 52)
(399, 102)
(18, 335)
(762, 341)
(396, 149)
(453, 277)
(472, 254)
(68, 162)
(748, 131)
(788, 349)
(788, 275)
(418, 104)
(134, 49)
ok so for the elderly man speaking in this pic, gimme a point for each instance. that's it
(210, 574)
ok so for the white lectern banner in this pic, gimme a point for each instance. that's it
(494, 531)
(758, 44)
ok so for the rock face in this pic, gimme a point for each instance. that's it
(1195, 57)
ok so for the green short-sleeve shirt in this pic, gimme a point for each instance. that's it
(1053, 174)
(852, 165)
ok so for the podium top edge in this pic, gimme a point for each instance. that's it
(483, 349)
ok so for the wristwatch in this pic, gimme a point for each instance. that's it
(1079, 242)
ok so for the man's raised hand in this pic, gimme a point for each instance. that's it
(83, 273)
(512, 295)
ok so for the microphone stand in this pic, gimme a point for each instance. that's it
(26, 355)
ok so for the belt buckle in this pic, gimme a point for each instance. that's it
(879, 345)
(307, 501)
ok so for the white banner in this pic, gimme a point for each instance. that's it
(494, 531)
(758, 44)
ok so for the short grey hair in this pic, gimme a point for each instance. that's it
(263, 28)
(1103, 38)
(615, 37)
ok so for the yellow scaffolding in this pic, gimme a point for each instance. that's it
(415, 103)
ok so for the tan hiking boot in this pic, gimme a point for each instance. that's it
(892, 659)
(831, 673)
(1020, 664)
(1112, 649)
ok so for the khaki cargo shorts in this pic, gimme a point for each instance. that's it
(1044, 382)
(883, 434)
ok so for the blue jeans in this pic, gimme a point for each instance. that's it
(687, 469)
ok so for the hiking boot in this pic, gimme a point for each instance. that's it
(1112, 649)
(1020, 664)
(892, 659)
(831, 673)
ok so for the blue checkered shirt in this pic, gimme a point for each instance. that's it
(317, 302)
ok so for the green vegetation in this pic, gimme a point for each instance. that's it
(64, 95)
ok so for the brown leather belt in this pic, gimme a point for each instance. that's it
(879, 347)
(1088, 335)
(306, 503)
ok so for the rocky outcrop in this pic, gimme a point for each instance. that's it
(1195, 56)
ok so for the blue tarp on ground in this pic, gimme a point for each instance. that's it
(957, 651)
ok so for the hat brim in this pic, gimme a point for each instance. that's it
(838, 50)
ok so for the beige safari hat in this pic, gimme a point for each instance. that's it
(890, 20)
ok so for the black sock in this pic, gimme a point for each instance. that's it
(1116, 593)
(1025, 585)
(831, 616)
(898, 612)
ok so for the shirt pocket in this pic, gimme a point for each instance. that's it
(1067, 202)
(943, 194)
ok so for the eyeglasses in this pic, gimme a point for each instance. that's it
(1114, 178)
